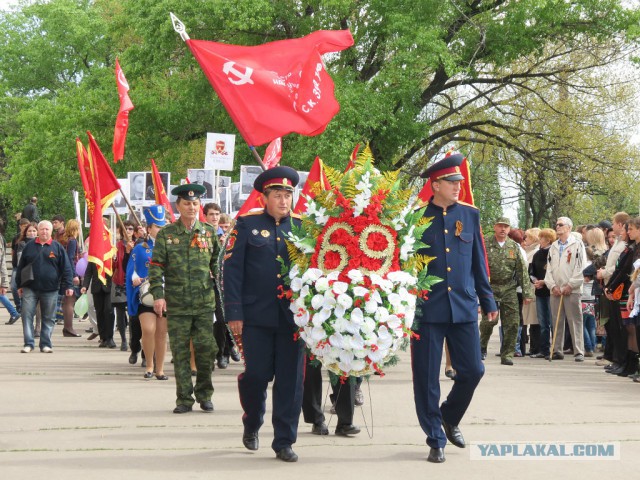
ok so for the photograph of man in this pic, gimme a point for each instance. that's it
(150, 193)
(224, 193)
(202, 177)
(236, 200)
(248, 175)
(119, 202)
(303, 180)
(137, 185)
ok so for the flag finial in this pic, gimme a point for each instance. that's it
(179, 27)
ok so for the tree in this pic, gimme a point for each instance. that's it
(424, 74)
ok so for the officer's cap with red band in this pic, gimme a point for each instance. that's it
(446, 169)
(285, 178)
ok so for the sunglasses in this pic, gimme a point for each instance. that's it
(559, 224)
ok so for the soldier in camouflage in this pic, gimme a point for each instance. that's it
(507, 270)
(181, 276)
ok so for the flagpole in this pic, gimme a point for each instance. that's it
(179, 27)
(121, 223)
(133, 212)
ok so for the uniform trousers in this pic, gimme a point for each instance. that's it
(272, 354)
(572, 310)
(509, 317)
(426, 357)
(183, 329)
(344, 395)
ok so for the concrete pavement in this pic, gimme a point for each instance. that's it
(85, 413)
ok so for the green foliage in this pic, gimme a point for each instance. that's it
(407, 85)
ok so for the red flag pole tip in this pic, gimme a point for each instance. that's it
(179, 27)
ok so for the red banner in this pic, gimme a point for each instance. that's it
(100, 187)
(316, 175)
(122, 120)
(352, 159)
(284, 80)
(273, 154)
(160, 193)
(102, 174)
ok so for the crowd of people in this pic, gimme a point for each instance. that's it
(584, 280)
(46, 294)
(553, 292)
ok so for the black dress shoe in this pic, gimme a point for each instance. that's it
(207, 406)
(483, 354)
(506, 361)
(454, 435)
(250, 440)
(223, 362)
(182, 408)
(320, 429)
(133, 358)
(345, 430)
(287, 455)
(436, 455)
(102, 344)
(235, 354)
(557, 356)
(110, 343)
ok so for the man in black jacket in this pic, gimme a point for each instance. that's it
(43, 271)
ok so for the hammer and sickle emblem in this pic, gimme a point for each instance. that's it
(240, 77)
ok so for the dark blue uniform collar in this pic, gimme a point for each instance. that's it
(439, 208)
(282, 220)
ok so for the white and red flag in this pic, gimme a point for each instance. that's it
(276, 88)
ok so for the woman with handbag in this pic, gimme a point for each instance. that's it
(140, 301)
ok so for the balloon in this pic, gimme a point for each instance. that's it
(82, 305)
(81, 267)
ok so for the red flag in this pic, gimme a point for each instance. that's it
(161, 194)
(86, 176)
(255, 200)
(352, 160)
(201, 216)
(122, 120)
(316, 175)
(102, 175)
(95, 178)
(466, 195)
(284, 80)
(273, 154)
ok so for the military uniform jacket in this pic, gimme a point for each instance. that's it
(507, 266)
(186, 262)
(455, 240)
(252, 270)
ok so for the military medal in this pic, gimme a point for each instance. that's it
(265, 233)
(458, 228)
(254, 231)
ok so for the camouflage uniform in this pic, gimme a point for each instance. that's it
(185, 261)
(507, 270)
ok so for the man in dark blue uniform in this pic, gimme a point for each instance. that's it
(256, 309)
(451, 311)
